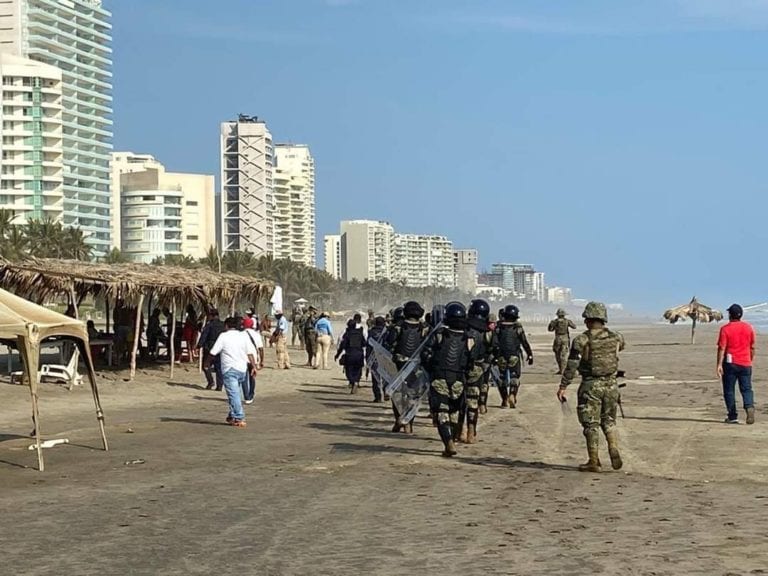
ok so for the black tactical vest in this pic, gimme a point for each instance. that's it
(479, 351)
(409, 339)
(509, 340)
(450, 358)
(355, 339)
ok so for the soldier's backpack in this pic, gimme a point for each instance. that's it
(601, 356)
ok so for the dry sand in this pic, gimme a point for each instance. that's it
(318, 485)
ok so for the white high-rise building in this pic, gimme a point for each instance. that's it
(422, 260)
(166, 213)
(366, 250)
(465, 270)
(125, 163)
(75, 37)
(32, 154)
(293, 210)
(247, 188)
(332, 255)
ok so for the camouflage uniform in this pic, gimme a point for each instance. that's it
(508, 355)
(594, 355)
(310, 337)
(448, 360)
(562, 343)
(477, 378)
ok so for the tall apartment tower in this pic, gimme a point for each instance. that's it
(332, 255)
(247, 189)
(75, 37)
(366, 250)
(32, 159)
(293, 210)
(422, 260)
(125, 163)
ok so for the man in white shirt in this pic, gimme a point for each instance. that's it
(237, 356)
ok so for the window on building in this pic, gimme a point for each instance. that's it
(192, 203)
(192, 237)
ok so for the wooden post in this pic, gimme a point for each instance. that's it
(136, 337)
(73, 299)
(106, 307)
(172, 338)
(38, 438)
(693, 330)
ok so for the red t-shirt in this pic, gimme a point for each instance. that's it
(737, 338)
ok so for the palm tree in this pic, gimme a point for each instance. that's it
(73, 244)
(115, 256)
(15, 244)
(179, 260)
(45, 238)
(239, 262)
(212, 259)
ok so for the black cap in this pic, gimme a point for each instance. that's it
(735, 311)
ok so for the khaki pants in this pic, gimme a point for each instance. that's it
(281, 347)
(323, 349)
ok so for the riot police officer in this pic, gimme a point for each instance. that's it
(510, 342)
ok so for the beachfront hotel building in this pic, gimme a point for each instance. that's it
(420, 260)
(465, 270)
(293, 204)
(366, 250)
(521, 281)
(332, 255)
(32, 158)
(73, 36)
(165, 213)
(124, 163)
(246, 203)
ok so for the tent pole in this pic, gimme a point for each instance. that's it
(38, 439)
(136, 336)
(172, 343)
(86, 352)
(29, 348)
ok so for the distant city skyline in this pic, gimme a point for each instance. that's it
(524, 129)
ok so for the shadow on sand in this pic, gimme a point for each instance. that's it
(185, 385)
(671, 419)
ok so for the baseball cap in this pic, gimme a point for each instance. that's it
(735, 310)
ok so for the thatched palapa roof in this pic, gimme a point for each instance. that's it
(39, 278)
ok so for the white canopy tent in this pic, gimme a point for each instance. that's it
(25, 325)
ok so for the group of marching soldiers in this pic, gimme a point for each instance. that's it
(465, 349)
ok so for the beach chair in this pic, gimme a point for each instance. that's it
(67, 374)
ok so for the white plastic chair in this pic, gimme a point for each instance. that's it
(67, 374)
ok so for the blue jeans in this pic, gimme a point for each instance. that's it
(249, 387)
(733, 373)
(233, 384)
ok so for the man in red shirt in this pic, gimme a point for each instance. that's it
(735, 352)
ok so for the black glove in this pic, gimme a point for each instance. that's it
(530, 360)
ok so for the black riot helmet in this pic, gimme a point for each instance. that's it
(413, 310)
(398, 314)
(479, 309)
(455, 315)
(510, 313)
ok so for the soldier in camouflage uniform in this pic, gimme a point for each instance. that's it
(562, 343)
(509, 343)
(595, 356)
(478, 331)
(403, 338)
(447, 358)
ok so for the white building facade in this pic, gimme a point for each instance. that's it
(423, 260)
(75, 37)
(332, 255)
(247, 188)
(293, 207)
(124, 163)
(31, 146)
(166, 213)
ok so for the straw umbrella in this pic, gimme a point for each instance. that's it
(694, 310)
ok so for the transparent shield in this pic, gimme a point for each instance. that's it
(408, 397)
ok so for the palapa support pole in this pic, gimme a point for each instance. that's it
(172, 343)
(693, 330)
(136, 336)
(73, 300)
(106, 307)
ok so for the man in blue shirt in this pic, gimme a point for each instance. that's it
(324, 340)
(281, 342)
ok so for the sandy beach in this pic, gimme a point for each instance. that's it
(318, 485)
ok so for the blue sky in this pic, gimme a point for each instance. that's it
(618, 146)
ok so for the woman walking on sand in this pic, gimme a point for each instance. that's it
(189, 333)
(353, 348)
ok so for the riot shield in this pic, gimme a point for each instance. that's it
(381, 364)
(407, 398)
(494, 375)
(413, 363)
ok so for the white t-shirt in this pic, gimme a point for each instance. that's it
(233, 348)
(257, 339)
